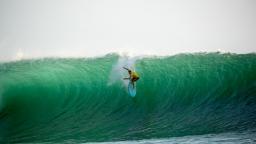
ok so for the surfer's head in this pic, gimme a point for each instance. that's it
(129, 71)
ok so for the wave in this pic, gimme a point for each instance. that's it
(85, 99)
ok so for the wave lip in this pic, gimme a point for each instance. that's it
(86, 100)
(23, 54)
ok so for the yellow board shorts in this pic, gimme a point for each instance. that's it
(134, 76)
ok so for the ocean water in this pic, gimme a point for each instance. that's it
(185, 98)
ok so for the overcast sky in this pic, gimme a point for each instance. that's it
(43, 28)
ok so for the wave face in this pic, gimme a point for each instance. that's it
(57, 100)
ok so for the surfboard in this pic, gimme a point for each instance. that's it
(131, 89)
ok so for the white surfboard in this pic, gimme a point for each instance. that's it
(131, 89)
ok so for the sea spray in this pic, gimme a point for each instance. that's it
(118, 72)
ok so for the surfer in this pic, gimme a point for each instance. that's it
(133, 76)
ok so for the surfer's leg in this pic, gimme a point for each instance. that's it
(135, 79)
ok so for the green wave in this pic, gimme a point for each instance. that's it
(56, 100)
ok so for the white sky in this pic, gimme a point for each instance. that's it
(43, 28)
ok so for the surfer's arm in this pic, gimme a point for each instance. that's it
(126, 68)
(126, 78)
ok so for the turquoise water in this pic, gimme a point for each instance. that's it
(85, 99)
